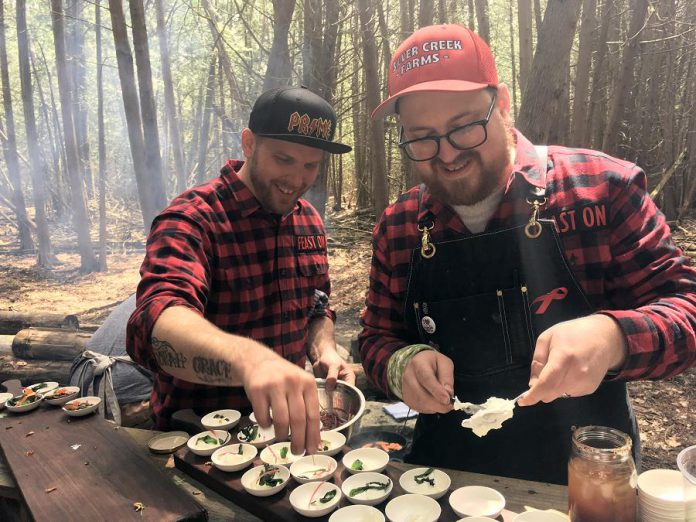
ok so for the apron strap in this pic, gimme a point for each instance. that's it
(543, 153)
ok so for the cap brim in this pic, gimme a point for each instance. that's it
(388, 106)
(310, 141)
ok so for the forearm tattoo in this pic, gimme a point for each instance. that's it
(214, 371)
(166, 355)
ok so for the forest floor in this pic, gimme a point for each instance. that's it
(665, 409)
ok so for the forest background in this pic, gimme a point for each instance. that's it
(111, 108)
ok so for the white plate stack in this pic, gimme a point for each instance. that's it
(661, 496)
(686, 462)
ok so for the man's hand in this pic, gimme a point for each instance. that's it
(572, 358)
(331, 366)
(428, 382)
(272, 382)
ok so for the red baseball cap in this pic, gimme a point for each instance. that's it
(438, 58)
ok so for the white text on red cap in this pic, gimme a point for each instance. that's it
(409, 59)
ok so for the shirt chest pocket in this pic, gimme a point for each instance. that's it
(312, 265)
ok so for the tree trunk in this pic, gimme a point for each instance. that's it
(524, 26)
(75, 52)
(588, 25)
(441, 12)
(79, 208)
(49, 343)
(170, 106)
(426, 12)
(511, 30)
(599, 81)
(543, 96)
(9, 143)
(471, 15)
(482, 20)
(628, 62)
(405, 20)
(33, 371)
(131, 106)
(13, 322)
(362, 196)
(148, 109)
(101, 139)
(205, 123)
(278, 69)
(37, 163)
(380, 187)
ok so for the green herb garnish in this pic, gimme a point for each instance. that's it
(283, 452)
(357, 465)
(218, 416)
(209, 440)
(379, 486)
(39, 386)
(266, 478)
(249, 433)
(240, 451)
(324, 445)
(423, 477)
(328, 496)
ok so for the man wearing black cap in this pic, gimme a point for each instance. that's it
(234, 289)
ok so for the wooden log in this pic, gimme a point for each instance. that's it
(32, 371)
(13, 322)
(53, 344)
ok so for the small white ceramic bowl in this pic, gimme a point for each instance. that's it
(61, 395)
(279, 453)
(30, 404)
(233, 457)
(305, 499)
(221, 419)
(308, 469)
(331, 443)
(441, 482)
(372, 459)
(409, 507)
(477, 501)
(357, 512)
(77, 408)
(42, 388)
(263, 436)
(540, 516)
(370, 497)
(198, 445)
(477, 519)
(250, 480)
(4, 397)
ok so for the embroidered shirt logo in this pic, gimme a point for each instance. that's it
(310, 243)
(304, 124)
(557, 294)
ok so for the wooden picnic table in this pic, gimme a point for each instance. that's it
(518, 493)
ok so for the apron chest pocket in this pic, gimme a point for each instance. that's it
(483, 334)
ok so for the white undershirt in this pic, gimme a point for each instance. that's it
(476, 216)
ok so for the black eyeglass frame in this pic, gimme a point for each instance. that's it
(403, 145)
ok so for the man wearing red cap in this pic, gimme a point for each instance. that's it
(512, 268)
(234, 290)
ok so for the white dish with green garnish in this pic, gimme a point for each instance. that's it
(221, 419)
(279, 453)
(331, 443)
(367, 488)
(256, 435)
(430, 482)
(234, 457)
(365, 459)
(265, 480)
(315, 499)
(206, 442)
(313, 468)
(357, 512)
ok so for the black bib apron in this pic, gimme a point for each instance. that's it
(482, 301)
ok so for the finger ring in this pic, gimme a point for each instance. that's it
(566, 396)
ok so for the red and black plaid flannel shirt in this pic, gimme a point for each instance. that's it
(249, 272)
(615, 239)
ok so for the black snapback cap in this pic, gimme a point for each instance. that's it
(298, 115)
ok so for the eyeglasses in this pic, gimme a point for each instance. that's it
(466, 137)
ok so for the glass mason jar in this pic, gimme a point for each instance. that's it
(602, 476)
